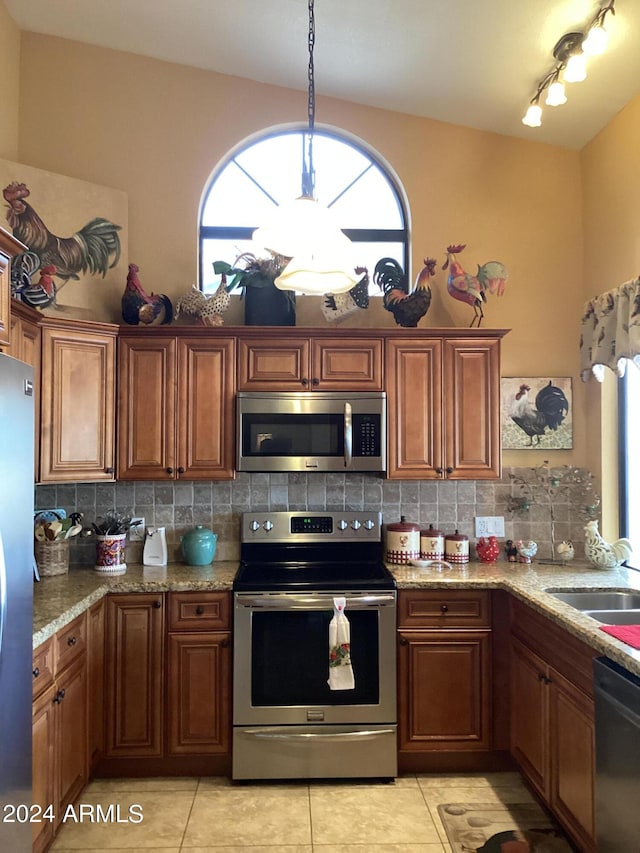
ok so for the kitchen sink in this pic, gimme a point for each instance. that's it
(609, 601)
(615, 617)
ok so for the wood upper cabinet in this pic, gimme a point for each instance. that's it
(25, 345)
(9, 248)
(134, 682)
(298, 363)
(552, 721)
(444, 671)
(444, 406)
(77, 401)
(175, 407)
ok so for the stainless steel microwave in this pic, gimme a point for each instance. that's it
(311, 431)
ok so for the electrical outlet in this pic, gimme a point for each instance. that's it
(136, 534)
(489, 525)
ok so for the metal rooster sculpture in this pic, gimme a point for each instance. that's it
(408, 306)
(491, 277)
(140, 307)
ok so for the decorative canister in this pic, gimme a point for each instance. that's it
(403, 541)
(110, 554)
(199, 546)
(456, 548)
(431, 544)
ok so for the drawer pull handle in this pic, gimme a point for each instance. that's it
(36, 672)
(444, 608)
(72, 641)
(199, 610)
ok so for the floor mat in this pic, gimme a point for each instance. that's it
(498, 828)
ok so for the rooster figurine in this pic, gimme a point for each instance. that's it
(407, 306)
(601, 554)
(488, 550)
(140, 307)
(472, 289)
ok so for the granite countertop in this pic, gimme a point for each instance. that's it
(58, 600)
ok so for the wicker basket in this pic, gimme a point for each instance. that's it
(52, 557)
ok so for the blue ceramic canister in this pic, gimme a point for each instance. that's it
(199, 546)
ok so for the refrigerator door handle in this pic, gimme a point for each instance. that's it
(3, 592)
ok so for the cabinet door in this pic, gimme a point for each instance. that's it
(472, 409)
(206, 386)
(414, 391)
(77, 406)
(42, 772)
(26, 346)
(199, 685)
(346, 365)
(146, 408)
(134, 683)
(529, 715)
(9, 248)
(71, 733)
(445, 690)
(95, 680)
(572, 754)
(267, 365)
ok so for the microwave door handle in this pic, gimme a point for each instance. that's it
(348, 435)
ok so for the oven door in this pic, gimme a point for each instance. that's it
(281, 659)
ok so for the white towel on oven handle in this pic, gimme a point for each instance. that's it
(340, 670)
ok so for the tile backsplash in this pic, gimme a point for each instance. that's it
(447, 504)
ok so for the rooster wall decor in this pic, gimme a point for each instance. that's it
(472, 289)
(537, 413)
(408, 305)
(92, 250)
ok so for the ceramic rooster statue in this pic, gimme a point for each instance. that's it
(140, 307)
(601, 554)
(472, 289)
(408, 306)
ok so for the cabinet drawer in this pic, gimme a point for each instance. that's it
(444, 609)
(70, 642)
(199, 611)
(42, 667)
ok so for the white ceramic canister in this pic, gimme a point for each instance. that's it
(431, 544)
(456, 548)
(403, 541)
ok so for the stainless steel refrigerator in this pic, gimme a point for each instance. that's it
(16, 599)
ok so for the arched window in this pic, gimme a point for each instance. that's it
(365, 196)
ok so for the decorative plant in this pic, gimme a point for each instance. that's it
(253, 272)
(545, 485)
(112, 524)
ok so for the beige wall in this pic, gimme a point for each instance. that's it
(156, 130)
(9, 74)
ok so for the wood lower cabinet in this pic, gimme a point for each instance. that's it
(175, 406)
(77, 433)
(95, 681)
(444, 406)
(444, 672)
(134, 679)
(270, 363)
(552, 720)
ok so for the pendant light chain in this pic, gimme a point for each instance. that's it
(308, 172)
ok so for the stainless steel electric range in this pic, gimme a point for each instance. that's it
(287, 721)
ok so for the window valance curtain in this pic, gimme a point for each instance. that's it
(611, 331)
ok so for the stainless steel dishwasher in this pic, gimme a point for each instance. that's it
(617, 792)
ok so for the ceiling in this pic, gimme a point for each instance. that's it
(471, 62)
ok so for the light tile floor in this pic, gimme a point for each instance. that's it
(214, 815)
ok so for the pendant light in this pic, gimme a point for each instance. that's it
(306, 231)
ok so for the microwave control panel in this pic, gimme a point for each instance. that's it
(366, 435)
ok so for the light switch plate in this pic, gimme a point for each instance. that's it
(489, 525)
(136, 534)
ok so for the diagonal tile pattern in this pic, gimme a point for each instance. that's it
(214, 815)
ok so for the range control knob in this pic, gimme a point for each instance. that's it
(355, 524)
(369, 525)
(268, 525)
(255, 525)
(342, 524)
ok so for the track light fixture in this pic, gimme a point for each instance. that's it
(570, 54)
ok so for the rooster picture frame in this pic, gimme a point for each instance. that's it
(537, 413)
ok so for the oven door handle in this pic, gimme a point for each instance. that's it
(268, 734)
(348, 435)
(292, 601)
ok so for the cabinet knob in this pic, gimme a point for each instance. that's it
(305, 381)
(169, 470)
(224, 644)
(199, 610)
(439, 471)
(315, 381)
(59, 697)
(449, 469)
(157, 605)
(72, 641)
(444, 608)
(404, 641)
(108, 470)
(181, 470)
(36, 672)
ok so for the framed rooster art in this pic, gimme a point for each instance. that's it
(537, 413)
